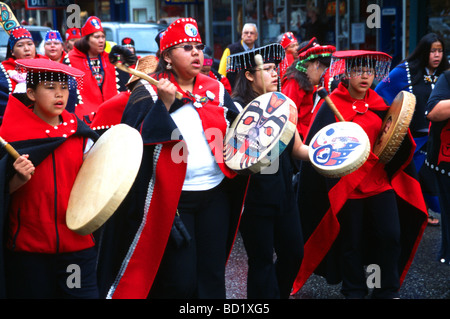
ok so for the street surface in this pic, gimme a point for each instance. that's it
(427, 278)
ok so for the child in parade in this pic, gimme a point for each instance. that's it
(374, 215)
(39, 245)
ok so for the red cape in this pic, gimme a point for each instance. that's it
(327, 201)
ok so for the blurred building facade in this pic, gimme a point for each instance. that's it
(392, 26)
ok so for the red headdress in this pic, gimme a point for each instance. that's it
(180, 31)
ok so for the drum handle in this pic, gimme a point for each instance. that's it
(11, 151)
(324, 95)
(144, 76)
(259, 62)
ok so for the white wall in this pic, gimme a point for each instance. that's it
(148, 5)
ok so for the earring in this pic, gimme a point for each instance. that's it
(169, 66)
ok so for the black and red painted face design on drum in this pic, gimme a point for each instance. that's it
(256, 130)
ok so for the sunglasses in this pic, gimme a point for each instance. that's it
(189, 47)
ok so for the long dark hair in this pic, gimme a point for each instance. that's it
(242, 90)
(161, 69)
(419, 58)
(300, 77)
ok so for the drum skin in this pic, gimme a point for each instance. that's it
(104, 179)
(339, 149)
(260, 133)
(395, 126)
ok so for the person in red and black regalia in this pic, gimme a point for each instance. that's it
(20, 46)
(375, 215)
(35, 189)
(172, 235)
(297, 85)
(100, 82)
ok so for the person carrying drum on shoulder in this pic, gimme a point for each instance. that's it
(270, 221)
(173, 233)
(374, 215)
(40, 248)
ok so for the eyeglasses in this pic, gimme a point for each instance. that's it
(189, 47)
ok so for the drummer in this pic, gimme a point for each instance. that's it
(270, 221)
(40, 248)
(339, 211)
(183, 179)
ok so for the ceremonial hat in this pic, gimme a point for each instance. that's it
(180, 31)
(313, 51)
(271, 53)
(16, 34)
(93, 24)
(343, 62)
(207, 57)
(39, 70)
(287, 39)
(73, 33)
(128, 42)
(53, 35)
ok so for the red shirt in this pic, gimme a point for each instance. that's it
(90, 93)
(37, 210)
(377, 180)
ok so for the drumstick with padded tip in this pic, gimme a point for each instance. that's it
(324, 95)
(121, 58)
(259, 62)
(11, 151)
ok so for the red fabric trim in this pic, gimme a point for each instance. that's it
(326, 232)
(144, 263)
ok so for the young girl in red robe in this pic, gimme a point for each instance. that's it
(40, 248)
(373, 216)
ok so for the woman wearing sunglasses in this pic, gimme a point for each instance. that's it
(172, 236)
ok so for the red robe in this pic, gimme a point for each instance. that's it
(325, 197)
(48, 191)
(90, 96)
(304, 102)
(134, 239)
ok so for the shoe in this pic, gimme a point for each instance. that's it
(432, 221)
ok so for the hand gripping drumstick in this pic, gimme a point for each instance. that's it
(259, 62)
(122, 58)
(11, 151)
(324, 95)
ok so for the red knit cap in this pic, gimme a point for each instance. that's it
(93, 24)
(180, 31)
(73, 33)
(287, 39)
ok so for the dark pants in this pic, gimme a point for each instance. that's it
(264, 235)
(51, 276)
(198, 269)
(443, 182)
(380, 212)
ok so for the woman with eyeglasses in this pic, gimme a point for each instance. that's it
(100, 82)
(173, 233)
(270, 221)
(418, 74)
